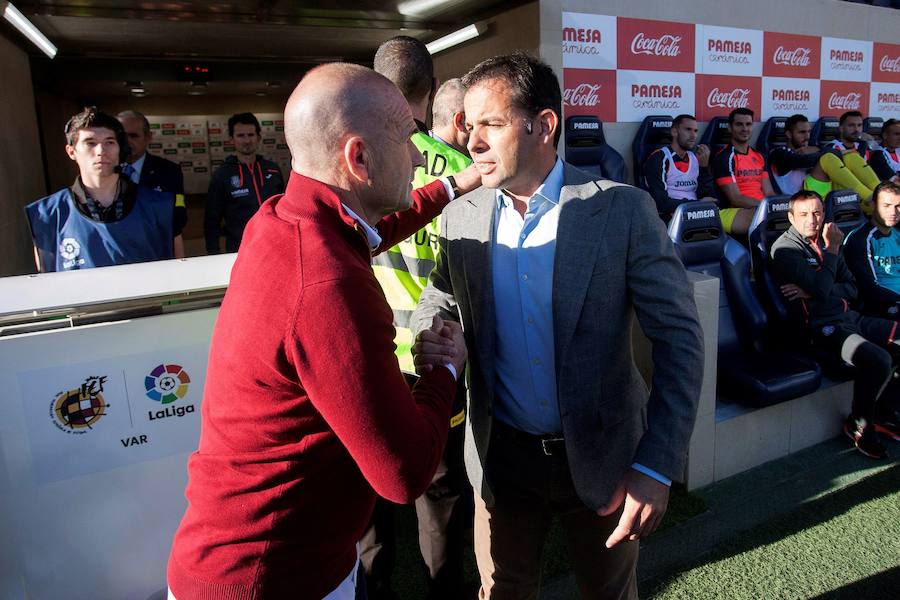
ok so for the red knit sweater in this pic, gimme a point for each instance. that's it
(305, 410)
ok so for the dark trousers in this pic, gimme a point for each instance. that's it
(444, 513)
(529, 489)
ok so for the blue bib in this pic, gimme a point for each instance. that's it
(67, 240)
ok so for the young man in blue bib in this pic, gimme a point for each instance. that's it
(102, 219)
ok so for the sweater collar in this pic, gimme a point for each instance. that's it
(305, 196)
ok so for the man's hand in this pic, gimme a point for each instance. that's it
(441, 344)
(468, 179)
(833, 238)
(702, 152)
(645, 504)
(794, 292)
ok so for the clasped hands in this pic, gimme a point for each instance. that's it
(441, 344)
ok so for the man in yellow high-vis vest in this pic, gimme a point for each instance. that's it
(402, 271)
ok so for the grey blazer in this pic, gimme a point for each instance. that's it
(613, 260)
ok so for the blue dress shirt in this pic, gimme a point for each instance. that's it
(522, 258)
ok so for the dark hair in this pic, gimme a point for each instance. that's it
(133, 114)
(92, 117)
(407, 63)
(848, 114)
(534, 84)
(244, 119)
(887, 124)
(885, 186)
(685, 117)
(803, 195)
(739, 111)
(793, 120)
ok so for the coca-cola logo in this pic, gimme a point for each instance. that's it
(584, 94)
(664, 45)
(798, 57)
(889, 65)
(736, 98)
(850, 101)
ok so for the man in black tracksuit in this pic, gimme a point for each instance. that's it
(807, 264)
(240, 186)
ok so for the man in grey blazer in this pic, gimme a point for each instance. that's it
(545, 267)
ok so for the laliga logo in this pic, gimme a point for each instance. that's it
(583, 95)
(889, 65)
(736, 98)
(798, 57)
(850, 101)
(665, 45)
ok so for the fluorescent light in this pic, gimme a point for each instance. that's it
(457, 37)
(27, 28)
(418, 8)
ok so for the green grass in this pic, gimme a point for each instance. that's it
(842, 545)
(409, 580)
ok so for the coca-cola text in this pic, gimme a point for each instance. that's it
(798, 57)
(850, 101)
(585, 94)
(664, 45)
(736, 98)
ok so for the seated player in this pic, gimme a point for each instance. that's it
(679, 172)
(872, 252)
(885, 161)
(807, 264)
(798, 165)
(740, 173)
(102, 219)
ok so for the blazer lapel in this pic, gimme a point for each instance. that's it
(479, 272)
(578, 238)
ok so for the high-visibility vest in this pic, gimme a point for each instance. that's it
(403, 270)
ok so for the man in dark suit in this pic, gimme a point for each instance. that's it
(154, 172)
(546, 266)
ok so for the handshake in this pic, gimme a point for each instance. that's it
(441, 344)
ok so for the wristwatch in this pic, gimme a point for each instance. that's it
(456, 191)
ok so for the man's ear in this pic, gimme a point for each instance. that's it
(70, 151)
(357, 160)
(459, 121)
(548, 122)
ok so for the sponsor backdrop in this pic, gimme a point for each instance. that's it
(200, 144)
(622, 70)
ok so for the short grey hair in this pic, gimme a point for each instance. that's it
(447, 102)
(133, 114)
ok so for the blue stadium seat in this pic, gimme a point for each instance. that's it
(769, 222)
(771, 135)
(825, 130)
(843, 207)
(873, 126)
(716, 135)
(655, 132)
(748, 372)
(587, 149)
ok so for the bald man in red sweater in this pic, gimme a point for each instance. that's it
(306, 415)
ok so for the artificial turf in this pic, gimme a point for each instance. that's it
(840, 545)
